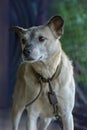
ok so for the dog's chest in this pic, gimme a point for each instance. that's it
(43, 103)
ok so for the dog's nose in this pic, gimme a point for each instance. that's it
(26, 52)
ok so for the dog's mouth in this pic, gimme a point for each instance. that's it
(31, 59)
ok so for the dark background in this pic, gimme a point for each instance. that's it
(27, 13)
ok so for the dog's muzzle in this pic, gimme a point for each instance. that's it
(27, 52)
(30, 53)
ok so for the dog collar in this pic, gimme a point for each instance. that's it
(54, 76)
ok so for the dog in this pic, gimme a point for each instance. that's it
(44, 64)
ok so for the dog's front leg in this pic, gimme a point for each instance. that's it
(16, 115)
(67, 119)
(47, 122)
(44, 123)
(32, 117)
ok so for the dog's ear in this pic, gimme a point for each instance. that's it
(18, 30)
(56, 24)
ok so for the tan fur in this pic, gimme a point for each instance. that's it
(27, 87)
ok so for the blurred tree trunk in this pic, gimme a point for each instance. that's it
(4, 40)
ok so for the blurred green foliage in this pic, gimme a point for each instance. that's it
(74, 40)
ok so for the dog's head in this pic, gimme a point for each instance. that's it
(40, 42)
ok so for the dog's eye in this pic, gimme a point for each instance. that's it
(23, 41)
(41, 38)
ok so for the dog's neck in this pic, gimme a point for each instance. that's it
(48, 67)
